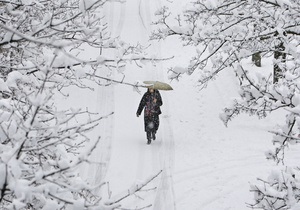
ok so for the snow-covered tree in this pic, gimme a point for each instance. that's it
(227, 33)
(43, 48)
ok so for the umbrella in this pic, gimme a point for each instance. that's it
(158, 85)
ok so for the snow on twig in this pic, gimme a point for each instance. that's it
(133, 190)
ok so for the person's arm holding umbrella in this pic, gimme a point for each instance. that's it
(157, 102)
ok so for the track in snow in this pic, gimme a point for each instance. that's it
(127, 157)
(105, 101)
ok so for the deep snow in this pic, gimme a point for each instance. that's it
(206, 166)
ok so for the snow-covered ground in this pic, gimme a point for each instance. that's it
(205, 166)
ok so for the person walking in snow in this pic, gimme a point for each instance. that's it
(151, 101)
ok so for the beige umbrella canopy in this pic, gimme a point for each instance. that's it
(158, 85)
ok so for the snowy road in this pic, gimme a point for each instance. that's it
(126, 156)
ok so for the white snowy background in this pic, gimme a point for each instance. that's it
(205, 165)
(196, 162)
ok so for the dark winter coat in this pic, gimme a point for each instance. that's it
(151, 110)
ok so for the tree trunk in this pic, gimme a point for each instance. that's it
(279, 55)
(256, 58)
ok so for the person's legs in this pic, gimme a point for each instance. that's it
(151, 127)
(153, 135)
(156, 125)
(148, 133)
(148, 128)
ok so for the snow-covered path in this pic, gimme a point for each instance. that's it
(128, 159)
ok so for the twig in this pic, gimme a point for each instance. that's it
(136, 190)
(145, 207)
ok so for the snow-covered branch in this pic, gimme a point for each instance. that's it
(135, 188)
(224, 29)
(43, 48)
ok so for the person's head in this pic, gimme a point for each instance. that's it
(151, 90)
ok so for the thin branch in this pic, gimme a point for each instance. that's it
(138, 188)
